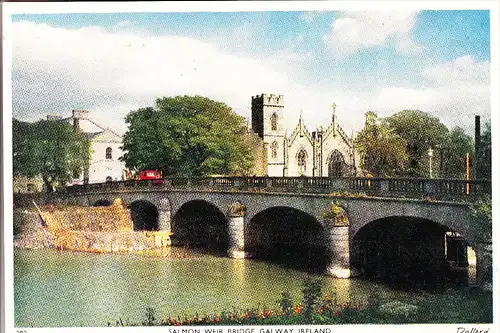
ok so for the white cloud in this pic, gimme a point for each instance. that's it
(359, 30)
(111, 73)
(310, 16)
(455, 92)
(463, 70)
(124, 23)
(406, 45)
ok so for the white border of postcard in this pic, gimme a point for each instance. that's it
(116, 7)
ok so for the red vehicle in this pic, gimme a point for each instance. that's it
(153, 175)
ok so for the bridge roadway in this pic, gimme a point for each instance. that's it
(366, 200)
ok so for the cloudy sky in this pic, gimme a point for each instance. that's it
(383, 61)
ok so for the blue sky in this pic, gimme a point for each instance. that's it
(438, 30)
(363, 61)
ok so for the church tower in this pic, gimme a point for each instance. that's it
(267, 122)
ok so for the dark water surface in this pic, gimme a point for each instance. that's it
(53, 288)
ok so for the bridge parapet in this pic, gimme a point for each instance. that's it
(440, 189)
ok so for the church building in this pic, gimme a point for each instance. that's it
(323, 153)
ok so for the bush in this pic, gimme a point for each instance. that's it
(311, 289)
(482, 217)
(150, 317)
(286, 303)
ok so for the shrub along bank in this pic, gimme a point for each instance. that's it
(468, 305)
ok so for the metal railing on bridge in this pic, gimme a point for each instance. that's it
(444, 189)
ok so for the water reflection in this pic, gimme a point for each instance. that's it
(81, 289)
(237, 277)
(341, 290)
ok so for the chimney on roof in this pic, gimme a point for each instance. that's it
(77, 115)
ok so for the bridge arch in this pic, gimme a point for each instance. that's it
(102, 203)
(452, 216)
(288, 236)
(200, 223)
(411, 251)
(144, 215)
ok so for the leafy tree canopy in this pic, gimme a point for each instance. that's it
(453, 152)
(421, 132)
(481, 212)
(382, 142)
(383, 152)
(187, 136)
(484, 155)
(49, 149)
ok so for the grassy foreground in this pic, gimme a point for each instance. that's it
(470, 305)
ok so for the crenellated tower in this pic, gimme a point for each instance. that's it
(267, 122)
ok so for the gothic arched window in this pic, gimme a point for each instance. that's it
(274, 122)
(336, 164)
(302, 161)
(109, 153)
(274, 149)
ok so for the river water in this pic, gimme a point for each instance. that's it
(53, 288)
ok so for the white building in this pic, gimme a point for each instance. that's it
(105, 150)
(322, 153)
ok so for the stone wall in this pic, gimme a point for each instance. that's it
(29, 232)
(104, 242)
(114, 218)
(87, 229)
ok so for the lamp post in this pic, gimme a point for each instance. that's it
(429, 156)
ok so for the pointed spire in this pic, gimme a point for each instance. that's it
(334, 106)
(300, 123)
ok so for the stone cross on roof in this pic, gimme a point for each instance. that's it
(333, 106)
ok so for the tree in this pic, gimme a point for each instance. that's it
(481, 212)
(421, 132)
(383, 152)
(483, 168)
(50, 149)
(187, 136)
(452, 153)
(22, 157)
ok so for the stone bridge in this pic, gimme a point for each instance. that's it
(254, 216)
